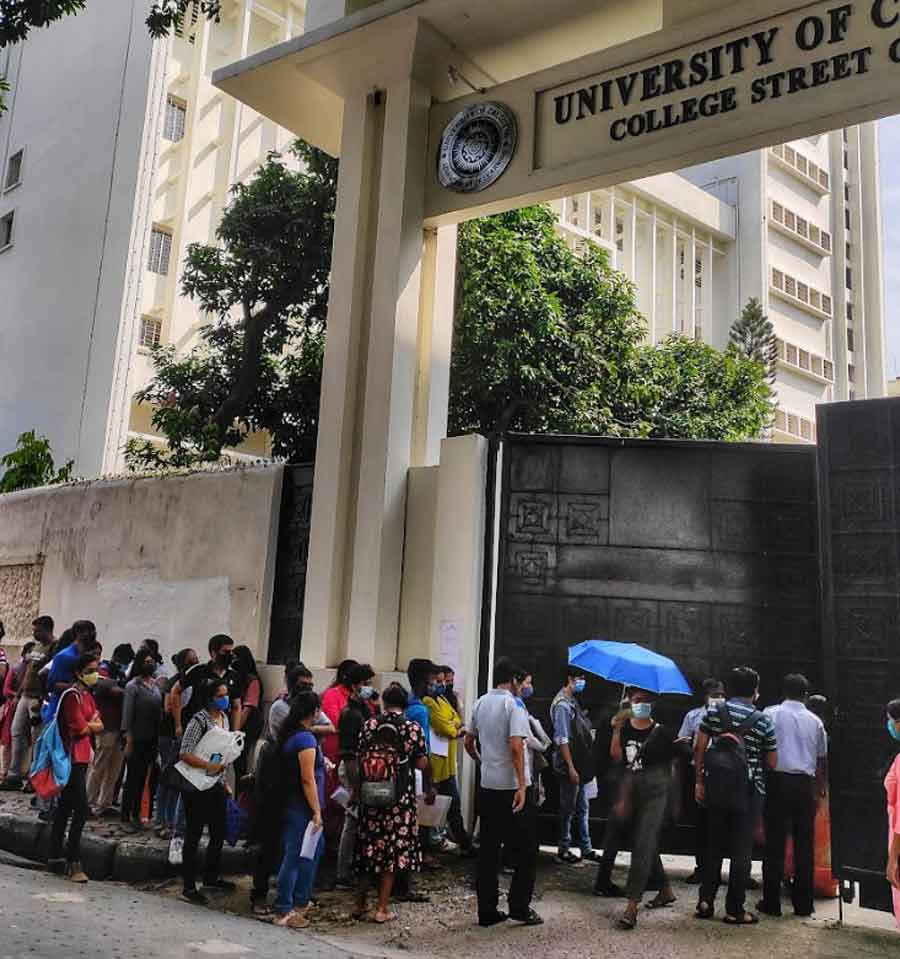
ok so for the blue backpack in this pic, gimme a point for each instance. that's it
(52, 765)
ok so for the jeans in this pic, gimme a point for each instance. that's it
(450, 787)
(23, 735)
(203, 809)
(105, 769)
(573, 804)
(730, 833)
(790, 810)
(166, 796)
(518, 831)
(296, 876)
(138, 765)
(72, 803)
(348, 776)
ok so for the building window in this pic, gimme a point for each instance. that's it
(849, 312)
(14, 170)
(849, 278)
(151, 331)
(846, 218)
(176, 112)
(848, 250)
(620, 234)
(847, 192)
(851, 373)
(6, 229)
(160, 251)
(850, 338)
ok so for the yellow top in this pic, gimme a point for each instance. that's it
(445, 721)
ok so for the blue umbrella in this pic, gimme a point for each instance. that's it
(630, 665)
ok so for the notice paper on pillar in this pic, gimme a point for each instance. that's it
(451, 647)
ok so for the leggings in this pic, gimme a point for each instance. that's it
(72, 803)
(139, 763)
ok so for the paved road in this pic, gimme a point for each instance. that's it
(45, 917)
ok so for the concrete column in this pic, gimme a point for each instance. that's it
(435, 342)
(654, 333)
(872, 261)
(343, 383)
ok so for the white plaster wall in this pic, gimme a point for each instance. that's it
(62, 280)
(175, 558)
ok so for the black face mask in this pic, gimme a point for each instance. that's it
(224, 660)
(303, 688)
(148, 668)
(448, 687)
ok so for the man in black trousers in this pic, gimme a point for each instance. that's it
(508, 813)
(793, 789)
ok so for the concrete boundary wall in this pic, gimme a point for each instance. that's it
(175, 558)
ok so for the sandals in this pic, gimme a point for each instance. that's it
(385, 918)
(745, 919)
(704, 911)
(627, 921)
(291, 920)
(661, 902)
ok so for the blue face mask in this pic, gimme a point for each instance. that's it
(641, 710)
(892, 729)
(222, 703)
(439, 689)
(580, 685)
(527, 692)
(366, 692)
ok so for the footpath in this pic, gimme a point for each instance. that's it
(107, 851)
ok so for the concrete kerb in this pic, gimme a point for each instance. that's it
(102, 858)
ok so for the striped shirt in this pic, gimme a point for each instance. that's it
(197, 728)
(758, 740)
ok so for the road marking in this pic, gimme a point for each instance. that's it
(216, 947)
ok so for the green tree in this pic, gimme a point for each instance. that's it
(754, 337)
(543, 337)
(31, 464)
(685, 389)
(265, 286)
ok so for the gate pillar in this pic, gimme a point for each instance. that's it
(384, 382)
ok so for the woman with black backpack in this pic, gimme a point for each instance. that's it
(391, 748)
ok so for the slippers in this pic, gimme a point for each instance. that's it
(704, 911)
(660, 903)
(746, 919)
(626, 922)
(385, 918)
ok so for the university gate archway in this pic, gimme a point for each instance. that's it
(443, 110)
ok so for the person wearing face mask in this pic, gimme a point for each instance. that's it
(79, 721)
(353, 717)
(574, 765)
(646, 749)
(298, 679)
(536, 745)
(220, 667)
(713, 694)
(205, 808)
(168, 807)
(447, 728)
(892, 791)
(141, 717)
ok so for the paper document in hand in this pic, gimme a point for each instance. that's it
(311, 839)
(439, 745)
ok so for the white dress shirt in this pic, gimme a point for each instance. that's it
(801, 737)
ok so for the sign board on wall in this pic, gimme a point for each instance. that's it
(811, 70)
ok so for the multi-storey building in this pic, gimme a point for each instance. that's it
(797, 226)
(117, 153)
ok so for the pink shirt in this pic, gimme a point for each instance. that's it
(892, 788)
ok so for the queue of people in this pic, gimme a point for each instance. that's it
(370, 761)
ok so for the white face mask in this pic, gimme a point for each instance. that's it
(716, 700)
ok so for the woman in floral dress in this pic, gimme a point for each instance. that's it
(388, 839)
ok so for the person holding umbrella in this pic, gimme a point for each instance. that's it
(646, 748)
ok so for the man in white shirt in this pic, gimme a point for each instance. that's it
(496, 739)
(793, 788)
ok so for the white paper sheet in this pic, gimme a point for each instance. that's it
(590, 789)
(451, 646)
(439, 745)
(311, 841)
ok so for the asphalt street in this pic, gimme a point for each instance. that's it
(45, 917)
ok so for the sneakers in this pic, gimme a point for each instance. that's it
(194, 897)
(568, 857)
(74, 873)
(592, 856)
(56, 866)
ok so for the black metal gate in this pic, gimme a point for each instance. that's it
(706, 552)
(290, 564)
(859, 484)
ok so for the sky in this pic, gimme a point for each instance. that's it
(890, 214)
